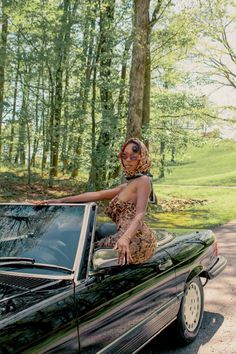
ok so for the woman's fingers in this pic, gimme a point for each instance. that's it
(124, 256)
(129, 258)
(40, 202)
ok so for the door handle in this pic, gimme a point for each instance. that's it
(165, 264)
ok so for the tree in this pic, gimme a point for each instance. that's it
(66, 92)
(140, 74)
(62, 50)
(216, 51)
(3, 48)
(137, 73)
(106, 43)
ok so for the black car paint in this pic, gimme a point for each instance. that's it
(110, 311)
(117, 302)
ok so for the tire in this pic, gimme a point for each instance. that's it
(190, 314)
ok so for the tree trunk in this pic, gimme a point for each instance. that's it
(36, 136)
(29, 151)
(137, 73)
(92, 174)
(21, 156)
(162, 153)
(2, 64)
(62, 52)
(147, 89)
(64, 157)
(12, 130)
(51, 127)
(120, 108)
(57, 122)
(173, 154)
(85, 86)
(108, 124)
(45, 131)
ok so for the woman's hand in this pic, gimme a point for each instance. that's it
(124, 256)
(44, 202)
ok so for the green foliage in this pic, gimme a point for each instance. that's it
(66, 101)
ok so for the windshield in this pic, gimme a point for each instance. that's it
(40, 234)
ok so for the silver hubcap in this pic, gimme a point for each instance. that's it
(192, 307)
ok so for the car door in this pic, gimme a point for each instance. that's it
(121, 308)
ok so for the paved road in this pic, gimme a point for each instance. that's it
(218, 331)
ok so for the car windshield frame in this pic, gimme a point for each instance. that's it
(43, 268)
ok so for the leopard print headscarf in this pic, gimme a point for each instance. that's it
(144, 162)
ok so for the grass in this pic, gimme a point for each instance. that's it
(219, 208)
(210, 165)
(202, 173)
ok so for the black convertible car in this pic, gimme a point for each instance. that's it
(59, 294)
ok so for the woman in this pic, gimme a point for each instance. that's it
(134, 241)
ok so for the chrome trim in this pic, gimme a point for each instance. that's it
(152, 337)
(128, 334)
(217, 267)
(36, 265)
(180, 295)
(44, 276)
(25, 203)
(80, 249)
(92, 242)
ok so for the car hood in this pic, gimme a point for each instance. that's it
(18, 293)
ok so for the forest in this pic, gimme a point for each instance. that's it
(79, 77)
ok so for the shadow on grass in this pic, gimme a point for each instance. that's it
(166, 341)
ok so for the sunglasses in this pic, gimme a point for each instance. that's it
(131, 157)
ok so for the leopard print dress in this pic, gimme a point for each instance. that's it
(143, 244)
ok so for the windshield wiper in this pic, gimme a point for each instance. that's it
(16, 217)
(17, 259)
(21, 262)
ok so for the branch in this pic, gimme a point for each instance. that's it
(227, 46)
(220, 118)
(155, 13)
(155, 19)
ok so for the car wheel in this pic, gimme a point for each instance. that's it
(190, 314)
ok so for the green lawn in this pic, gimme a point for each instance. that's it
(202, 173)
(209, 165)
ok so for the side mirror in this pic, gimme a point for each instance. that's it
(104, 258)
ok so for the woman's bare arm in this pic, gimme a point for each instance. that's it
(86, 197)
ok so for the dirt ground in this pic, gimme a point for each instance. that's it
(218, 331)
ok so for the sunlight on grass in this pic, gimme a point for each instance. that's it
(219, 208)
(212, 164)
(201, 173)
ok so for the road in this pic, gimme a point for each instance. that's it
(218, 331)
